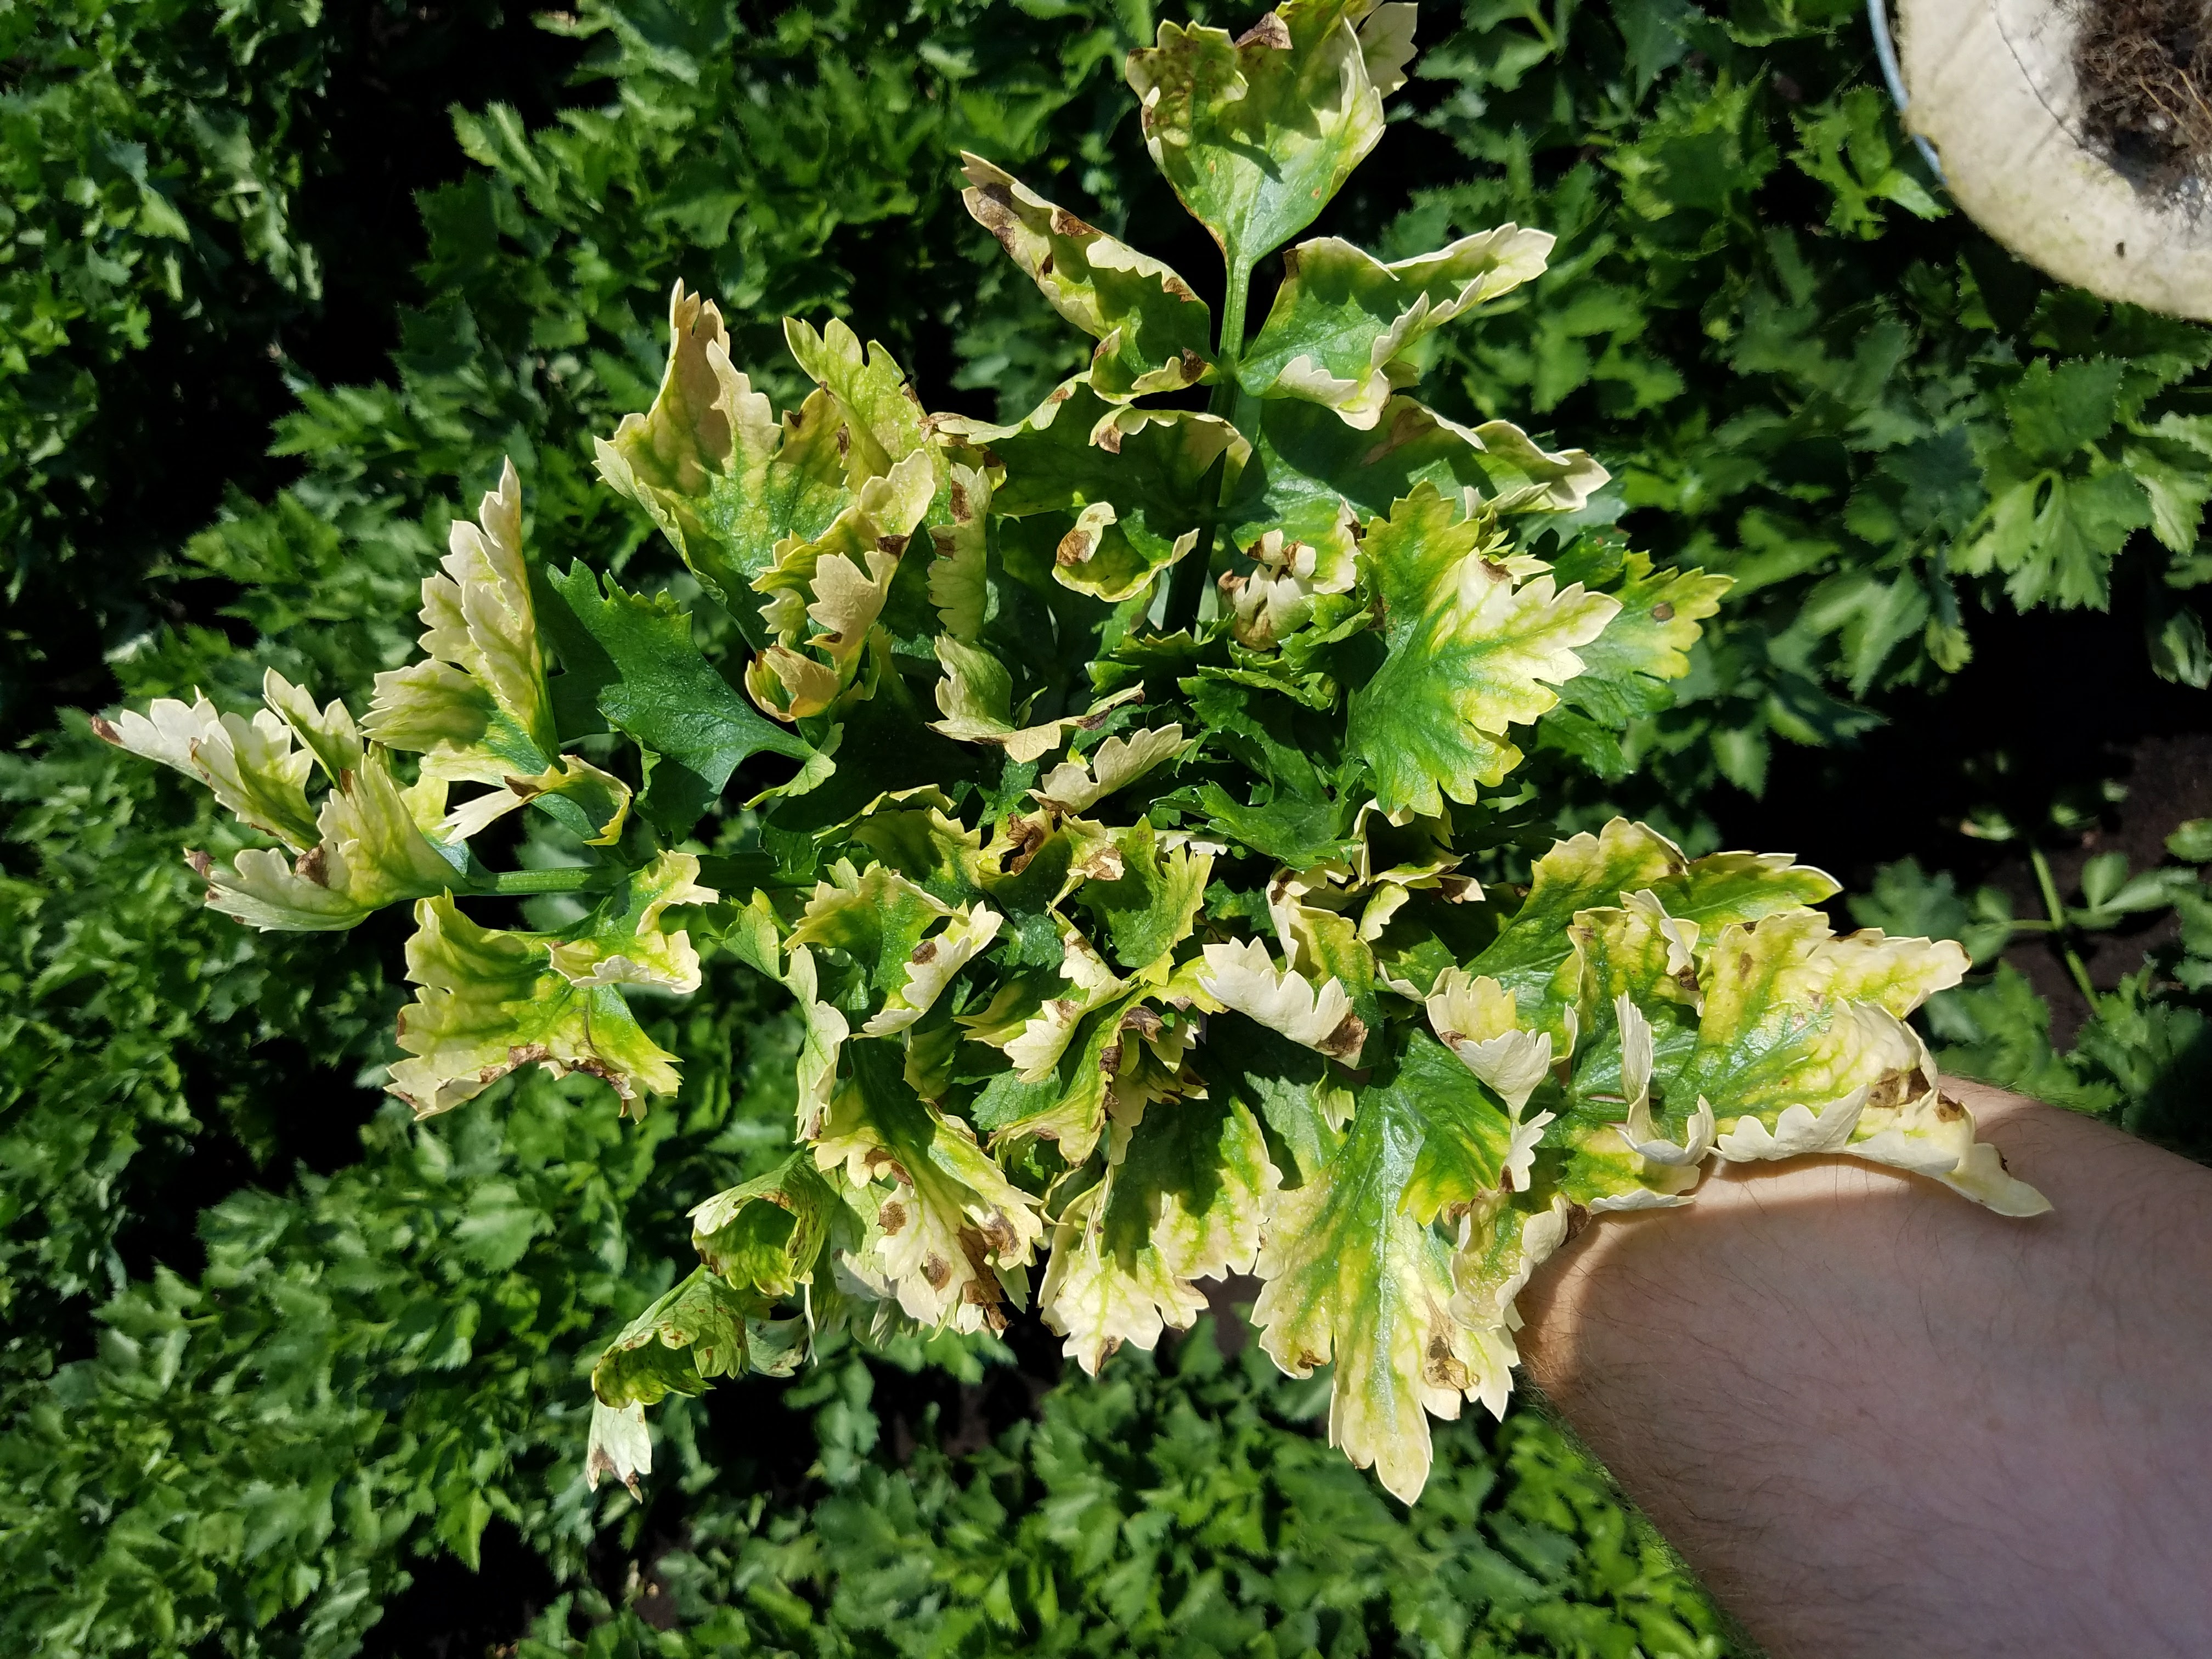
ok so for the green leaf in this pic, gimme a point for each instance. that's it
(1294, 833)
(1182, 1198)
(632, 658)
(950, 1234)
(2192, 843)
(693, 1333)
(1141, 482)
(1342, 320)
(2173, 462)
(1470, 653)
(1312, 476)
(714, 468)
(2054, 536)
(478, 707)
(1351, 1277)
(1154, 335)
(1256, 134)
(489, 1000)
(2056, 411)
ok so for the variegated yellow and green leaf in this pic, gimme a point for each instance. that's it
(950, 1236)
(250, 766)
(1076, 785)
(1912, 1124)
(478, 707)
(915, 833)
(1471, 653)
(1786, 1061)
(1163, 935)
(1502, 1241)
(1183, 1200)
(1313, 477)
(369, 853)
(907, 944)
(489, 1000)
(824, 595)
(626, 941)
(883, 417)
(959, 574)
(977, 699)
(1244, 978)
(1283, 593)
(328, 733)
(724, 479)
(768, 1234)
(693, 1334)
(1343, 320)
(1627, 669)
(1353, 1278)
(1473, 1142)
(603, 798)
(1256, 133)
(1138, 484)
(1154, 335)
(1149, 908)
(1533, 956)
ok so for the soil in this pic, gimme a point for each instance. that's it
(2144, 71)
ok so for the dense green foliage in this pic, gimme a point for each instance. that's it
(380, 1364)
(151, 168)
(1808, 375)
(159, 1056)
(1284, 648)
(201, 203)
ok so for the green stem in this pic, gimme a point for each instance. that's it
(569, 878)
(1187, 585)
(1230, 346)
(2058, 926)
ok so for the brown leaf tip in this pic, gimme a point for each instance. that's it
(1271, 32)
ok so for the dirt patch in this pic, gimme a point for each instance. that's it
(2144, 69)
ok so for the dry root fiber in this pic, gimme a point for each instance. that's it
(2145, 76)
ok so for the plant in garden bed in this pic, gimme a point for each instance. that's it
(1132, 821)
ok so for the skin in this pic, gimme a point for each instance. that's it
(1881, 1421)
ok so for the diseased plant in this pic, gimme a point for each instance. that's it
(1145, 927)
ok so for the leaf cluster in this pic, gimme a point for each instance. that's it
(547, 267)
(1217, 991)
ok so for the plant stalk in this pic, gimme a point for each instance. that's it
(2059, 929)
(519, 883)
(1187, 585)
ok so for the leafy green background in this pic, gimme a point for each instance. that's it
(284, 1374)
